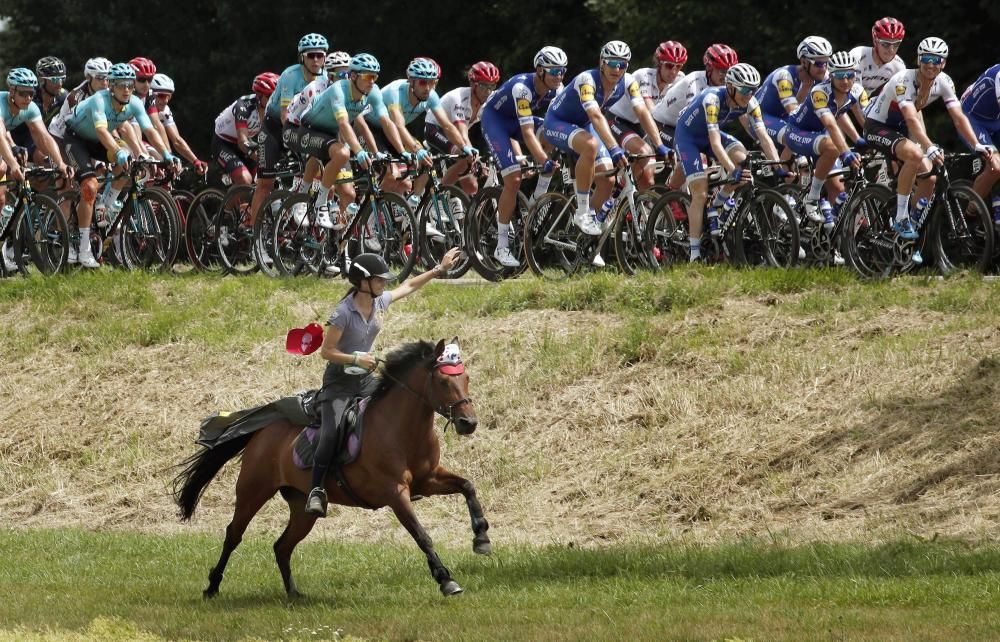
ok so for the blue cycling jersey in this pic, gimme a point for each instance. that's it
(778, 90)
(29, 114)
(982, 99)
(709, 110)
(516, 99)
(396, 95)
(586, 90)
(822, 100)
(336, 100)
(292, 81)
(100, 111)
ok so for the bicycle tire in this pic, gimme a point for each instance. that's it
(441, 210)
(767, 232)
(234, 238)
(632, 253)
(393, 225)
(167, 213)
(144, 236)
(200, 230)
(263, 231)
(46, 241)
(481, 235)
(551, 239)
(867, 239)
(971, 248)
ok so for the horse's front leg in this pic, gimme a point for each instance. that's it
(444, 482)
(403, 509)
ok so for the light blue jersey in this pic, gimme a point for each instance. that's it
(292, 81)
(336, 100)
(29, 114)
(396, 95)
(100, 111)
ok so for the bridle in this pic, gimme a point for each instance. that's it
(448, 412)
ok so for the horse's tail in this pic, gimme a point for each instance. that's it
(199, 469)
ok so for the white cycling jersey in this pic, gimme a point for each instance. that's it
(57, 126)
(457, 103)
(244, 110)
(680, 94)
(649, 87)
(904, 88)
(874, 74)
(166, 116)
(302, 101)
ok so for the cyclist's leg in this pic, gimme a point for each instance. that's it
(270, 148)
(689, 159)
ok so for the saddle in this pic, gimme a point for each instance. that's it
(347, 439)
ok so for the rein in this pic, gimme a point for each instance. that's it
(447, 412)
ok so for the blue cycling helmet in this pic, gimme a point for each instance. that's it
(121, 71)
(21, 77)
(422, 68)
(313, 41)
(366, 63)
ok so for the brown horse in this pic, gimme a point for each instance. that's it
(398, 463)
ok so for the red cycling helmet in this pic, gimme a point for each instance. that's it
(671, 51)
(484, 71)
(144, 67)
(265, 83)
(888, 29)
(720, 56)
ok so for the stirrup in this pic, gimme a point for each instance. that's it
(316, 502)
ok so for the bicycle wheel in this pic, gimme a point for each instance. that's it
(962, 231)
(551, 239)
(42, 234)
(200, 231)
(145, 232)
(867, 241)
(446, 210)
(168, 217)
(631, 249)
(766, 232)
(234, 239)
(387, 227)
(481, 235)
(666, 231)
(263, 231)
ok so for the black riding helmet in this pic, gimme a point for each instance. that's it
(49, 67)
(366, 266)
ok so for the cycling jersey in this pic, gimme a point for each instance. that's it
(291, 82)
(709, 110)
(779, 90)
(874, 74)
(457, 103)
(166, 116)
(822, 100)
(29, 114)
(902, 89)
(242, 114)
(396, 95)
(302, 101)
(516, 99)
(99, 111)
(982, 98)
(586, 90)
(679, 96)
(648, 88)
(57, 103)
(57, 127)
(336, 100)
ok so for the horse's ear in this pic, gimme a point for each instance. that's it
(439, 348)
(454, 340)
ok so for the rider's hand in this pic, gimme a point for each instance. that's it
(935, 154)
(20, 153)
(65, 171)
(549, 166)
(861, 144)
(469, 150)
(618, 158)
(381, 156)
(171, 159)
(423, 156)
(662, 151)
(367, 361)
(121, 158)
(985, 150)
(363, 158)
(201, 167)
(407, 157)
(851, 158)
(17, 172)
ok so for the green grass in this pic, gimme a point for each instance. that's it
(65, 581)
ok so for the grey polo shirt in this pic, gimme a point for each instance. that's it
(357, 332)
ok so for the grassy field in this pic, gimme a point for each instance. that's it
(58, 584)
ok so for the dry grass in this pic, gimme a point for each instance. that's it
(749, 417)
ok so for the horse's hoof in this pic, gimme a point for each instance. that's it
(451, 587)
(482, 548)
(208, 594)
(294, 595)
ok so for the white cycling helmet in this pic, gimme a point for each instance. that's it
(97, 66)
(813, 47)
(162, 83)
(337, 59)
(842, 61)
(934, 46)
(616, 49)
(551, 57)
(743, 75)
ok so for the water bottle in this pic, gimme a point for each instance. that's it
(996, 210)
(351, 211)
(839, 203)
(5, 215)
(727, 209)
(827, 211)
(602, 214)
(918, 212)
(713, 221)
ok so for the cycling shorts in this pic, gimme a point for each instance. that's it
(803, 142)
(883, 137)
(559, 133)
(230, 157)
(83, 155)
(987, 131)
(689, 153)
(309, 142)
(269, 147)
(498, 132)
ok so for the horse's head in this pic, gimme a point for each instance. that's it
(449, 387)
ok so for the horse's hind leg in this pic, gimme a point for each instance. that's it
(299, 525)
(249, 500)
(403, 509)
(444, 482)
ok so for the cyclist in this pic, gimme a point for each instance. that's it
(981, 104)
(894, 124)
(788, 85)
(653, 82)
(312, 50)
(698, 133)
(95, 73)
(575, 123)
(338, 65)
(89, 139)
(51, 73)
(17, 108)
(145, 70)
(233, 148)
(463, 107)
(509, 118)
(163, 91)
(879, 62)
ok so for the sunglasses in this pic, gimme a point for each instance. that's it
(671, 65)
(820, 63)
(340, 74)
(424, 82)
(316, 55)
(556, 71)
(617, 64)
(931, 59)
(843, 75)
(745, 91)
(163, 95)
(55, 79)
(100, 77)
(25, 93)
(891, 44)
(144, 79)
(123, 84)
(487, 85)
(368, 77)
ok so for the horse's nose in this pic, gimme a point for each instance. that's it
(466, 425)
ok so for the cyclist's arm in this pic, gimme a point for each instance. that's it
(915, 124)
(647, 122)
(159, 129)
(7, 150)
(534, 146)
(754, 118)
(347, 133)
(962, 125)
(396, 117)
(452, 132)
(463, 130)
(361, 128)
(392, 133)
(177, 142)
(601, 125)
(715, 142)
(44, 140)
(847, 129)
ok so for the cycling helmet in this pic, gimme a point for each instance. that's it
(671, 51)
(616, 49)
(144, 67)
(50, 66)
(842, 61)
(121, 71)
(932, 45)
(433, 62)
(422, 68)
(21, 77)
(743, 75)
(551, 57)
(720, 56)
(337, 59)
(366, 266)
(96, 66)
(163, 84)
(485, 72)
(365, 62)
(313, 41)
(888, 29)
(265, 83)
(813, 47)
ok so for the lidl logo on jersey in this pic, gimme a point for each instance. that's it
(712, 114)
(523, 107)
(784, 88)
(820, 99)
(586, 93)
(900, 90)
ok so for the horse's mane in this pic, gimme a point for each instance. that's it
(399, 362)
